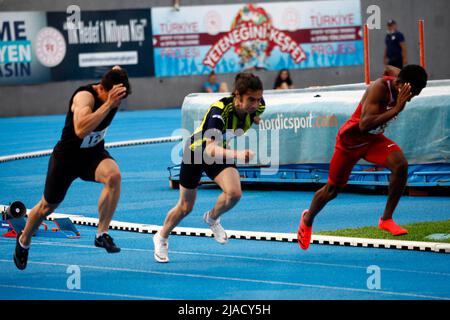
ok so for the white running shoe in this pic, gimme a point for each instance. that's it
(218, 231)
(161, 248)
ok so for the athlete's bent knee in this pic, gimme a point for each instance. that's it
(234, 196)
(114, 179)
(45, 208)
(331, 191)
(185, 208)
(400, 168)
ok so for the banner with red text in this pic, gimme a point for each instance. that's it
(269, 36)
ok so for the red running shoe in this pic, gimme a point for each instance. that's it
(390, 226)
(304, 233)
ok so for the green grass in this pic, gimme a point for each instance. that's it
(416, 232)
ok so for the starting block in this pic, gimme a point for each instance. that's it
(63, 227)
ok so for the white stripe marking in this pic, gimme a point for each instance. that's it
(56, 244)
(117, 295)
(270, 282)
(218, 117)
(267, 236)
(291, 237)
(127, 143)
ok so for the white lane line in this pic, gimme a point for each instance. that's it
(126, 143)
(93, 293)
(250, 258)
(245, 280)
(266, 236)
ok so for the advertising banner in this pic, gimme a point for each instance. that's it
(102, 39)
(37, 47)
(269, 36)
(19, 60)
(305, 122)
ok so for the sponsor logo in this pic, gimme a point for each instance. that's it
(253, 37)
(50, 47)
(213, 22)
(281, 122)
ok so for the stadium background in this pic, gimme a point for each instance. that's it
(152, 92)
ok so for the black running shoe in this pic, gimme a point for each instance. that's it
(20, 254)
(105, 241)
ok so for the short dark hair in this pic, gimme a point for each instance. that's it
(116, 76)
(414, 75)
(391, 22)
(279, 81)
(246, 81)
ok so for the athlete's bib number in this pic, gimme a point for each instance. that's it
(93, 139)
(381, 128)
(378, 130)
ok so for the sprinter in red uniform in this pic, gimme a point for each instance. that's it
(361, 137)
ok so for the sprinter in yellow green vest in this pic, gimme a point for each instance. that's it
(207, 152)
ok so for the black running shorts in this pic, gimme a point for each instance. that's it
(191, 173)
(63, 169)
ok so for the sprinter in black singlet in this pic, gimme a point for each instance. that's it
(80, 153)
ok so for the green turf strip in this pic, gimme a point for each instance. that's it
(416, 232)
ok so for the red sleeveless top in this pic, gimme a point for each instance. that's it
(350, 135)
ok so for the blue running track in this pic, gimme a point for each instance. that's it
(199, 267)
